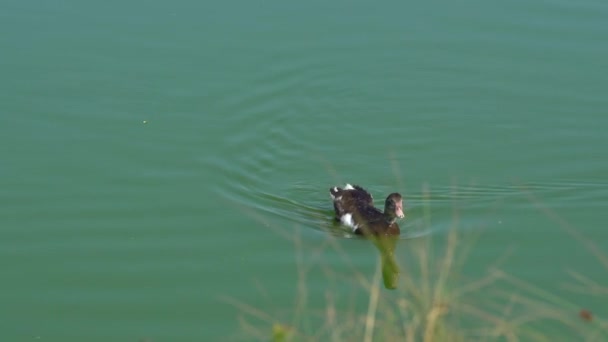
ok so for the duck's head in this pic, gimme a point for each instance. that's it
(393, 206)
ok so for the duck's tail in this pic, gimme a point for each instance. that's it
(335, 192)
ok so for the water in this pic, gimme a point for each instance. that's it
(159, 158)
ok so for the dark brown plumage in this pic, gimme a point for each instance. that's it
(354, 208)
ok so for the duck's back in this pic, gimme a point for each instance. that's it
(354, 207)
(350, 199)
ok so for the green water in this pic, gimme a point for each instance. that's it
(157, 157)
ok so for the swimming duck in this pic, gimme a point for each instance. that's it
(354, 208)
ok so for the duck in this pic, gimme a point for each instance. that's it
(354, 208)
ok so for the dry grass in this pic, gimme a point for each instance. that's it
(433, 302)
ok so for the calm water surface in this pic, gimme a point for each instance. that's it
(158, 157)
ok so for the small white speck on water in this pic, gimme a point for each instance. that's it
(145, 121)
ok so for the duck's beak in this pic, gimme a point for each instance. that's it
(399, 210)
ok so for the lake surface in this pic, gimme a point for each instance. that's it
(158, 158)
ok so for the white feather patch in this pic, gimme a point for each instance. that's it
(348, 187)
(347, 220)
(334, 189)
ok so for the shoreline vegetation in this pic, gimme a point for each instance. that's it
(433, 300)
